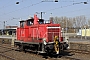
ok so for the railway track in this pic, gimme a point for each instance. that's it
(8, 52)
(70, 58)
(73, 55)
(5, 48)
(7, 57)
(79, 51)
(55, 57)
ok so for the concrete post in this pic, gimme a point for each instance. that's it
(66, 38)
(81, 33)
(12, 42)
(85, 32)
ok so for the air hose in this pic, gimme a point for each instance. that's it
(56, 45)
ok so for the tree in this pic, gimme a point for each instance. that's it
(89, 22)
(63, 21)
(72, 22)
(80, 21)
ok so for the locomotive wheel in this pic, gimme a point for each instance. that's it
(21, 47)
(61, 48)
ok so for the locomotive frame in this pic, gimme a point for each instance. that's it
(36, 35)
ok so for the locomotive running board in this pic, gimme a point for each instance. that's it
(25, 42)
(41, 52)
(36, 51)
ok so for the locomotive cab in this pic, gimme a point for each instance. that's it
(30, 22)
(22, 23)
(41, 21)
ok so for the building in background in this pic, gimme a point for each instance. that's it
(84, 32)
(9, 30)
(12, 27)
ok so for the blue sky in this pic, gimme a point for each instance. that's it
(26, 8)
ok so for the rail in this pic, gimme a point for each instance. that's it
(7, 48)
(8, 57)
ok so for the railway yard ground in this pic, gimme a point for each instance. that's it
(79, 50)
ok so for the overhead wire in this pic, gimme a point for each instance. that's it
(8, 5)
(36, 4)
(21, 8)
(68, 1)
(77, 10)
(27, 7)
(65, 6)
(59, 7)
(71, 0)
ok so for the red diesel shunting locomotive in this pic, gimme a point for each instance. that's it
(37, 35)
